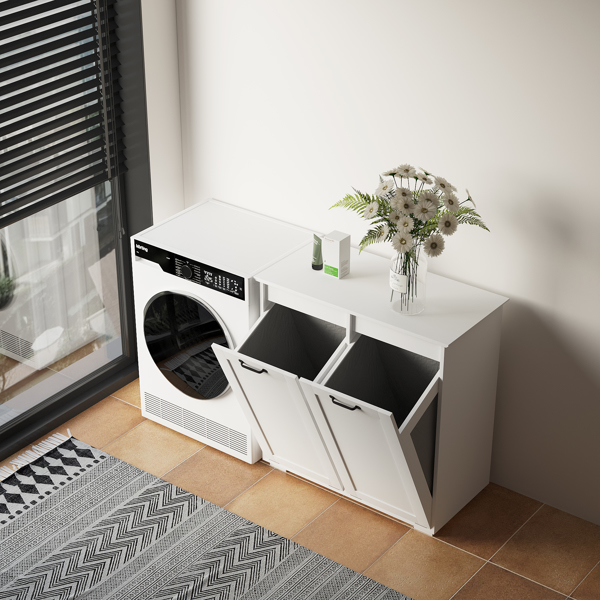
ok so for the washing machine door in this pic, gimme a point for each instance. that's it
(179, 331)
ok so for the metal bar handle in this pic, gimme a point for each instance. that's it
(338, 403)
(251, 368)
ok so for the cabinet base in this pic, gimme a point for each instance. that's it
(349, 498)
(276, 466)
(426, 530)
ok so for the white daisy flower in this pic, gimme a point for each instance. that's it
(385, 231)
(428, 196)
(451, 202)
(434, 245)
(394, 217)
(425, 210)
(424, 178)
(448, 223)
(402, 242)
(404, 193)
(396, 202)
(370, 210)
(406, 206)
(390, 173)
(470, 199)
(385, 187)
(444, 185)
(406, 171)
(405, 224)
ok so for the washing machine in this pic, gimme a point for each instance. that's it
(193, 286)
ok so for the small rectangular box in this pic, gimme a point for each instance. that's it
(336, 254)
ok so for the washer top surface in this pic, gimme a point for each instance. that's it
(226, 236)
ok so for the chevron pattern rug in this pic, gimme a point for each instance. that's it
(77, 523)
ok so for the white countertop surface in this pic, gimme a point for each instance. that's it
(451, 307)
(226, 237)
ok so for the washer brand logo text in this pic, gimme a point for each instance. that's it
(141, 248)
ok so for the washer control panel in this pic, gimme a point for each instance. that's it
(186, 268)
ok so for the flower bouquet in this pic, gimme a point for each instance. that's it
(414, 210)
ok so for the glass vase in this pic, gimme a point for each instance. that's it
(408, 280)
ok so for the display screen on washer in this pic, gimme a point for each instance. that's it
(186, 268)
(179, 331)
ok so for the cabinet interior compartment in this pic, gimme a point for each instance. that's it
(293, 341)
(384, 375)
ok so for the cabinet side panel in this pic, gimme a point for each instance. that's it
(466, 416)
(423, 437)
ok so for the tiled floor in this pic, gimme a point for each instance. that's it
(500, 546)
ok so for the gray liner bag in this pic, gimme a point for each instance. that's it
(383, 375)
(293, 341)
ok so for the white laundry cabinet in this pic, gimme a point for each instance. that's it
(393, 411)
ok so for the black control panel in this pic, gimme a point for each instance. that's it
(186, 268)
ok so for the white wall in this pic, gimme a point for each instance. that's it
(286, 105)
(164, 120)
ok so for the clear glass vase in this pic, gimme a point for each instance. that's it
(408, 280)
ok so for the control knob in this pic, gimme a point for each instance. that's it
(186, 271)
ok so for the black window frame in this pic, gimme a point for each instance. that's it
(133, 214)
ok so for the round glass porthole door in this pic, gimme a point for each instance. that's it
(179, 332)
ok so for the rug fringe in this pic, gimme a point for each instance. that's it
(34, 453)
(4, 473)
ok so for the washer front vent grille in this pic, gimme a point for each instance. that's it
(16, 345)
(194, 422)
(152, 404)
(238, 441)
(172, 413)
(197, 424)
(217, 432)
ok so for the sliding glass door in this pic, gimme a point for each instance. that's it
(71, 98)
(60, 319)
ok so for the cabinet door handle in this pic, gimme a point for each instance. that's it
(251, 369)
(338, 403)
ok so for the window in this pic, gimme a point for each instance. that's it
(65, 298)
(60, 104)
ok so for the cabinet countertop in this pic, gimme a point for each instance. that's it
(451, 307)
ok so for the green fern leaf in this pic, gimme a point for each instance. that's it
(373, 236)
(469, 216)
(350, 202)
(358, 202)
(428, 228)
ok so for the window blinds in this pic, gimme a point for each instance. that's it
(60, 128)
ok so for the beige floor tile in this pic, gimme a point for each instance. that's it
(494, 583)
(104, 422)
(589, 589)
(99, 425)
(282, 503)
(153, 448)
(351, 535)
(130, 393)
(7, 461)
(553, 548)
(488, 521)
(216, 476)
(424, 568)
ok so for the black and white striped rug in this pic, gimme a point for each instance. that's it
(78, 523)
